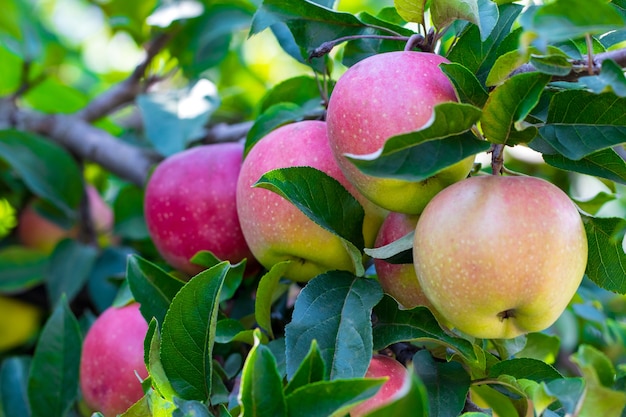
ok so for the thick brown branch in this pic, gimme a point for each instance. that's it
(88, 142)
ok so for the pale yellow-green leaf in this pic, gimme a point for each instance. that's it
(444, 12)
(411, 10)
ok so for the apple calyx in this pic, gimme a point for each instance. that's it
(506, 314)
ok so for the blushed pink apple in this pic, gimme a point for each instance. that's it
(190, 206)
(399, 280)
(37, 232)
(274, 228)
(382, 366)
(113, 351)
(382, 96)
(500, 256)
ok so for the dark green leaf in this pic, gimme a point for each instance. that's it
(261, 384)
(605, 163)
(330, 398)
(394, 325)
(467, 87)
(14, 386)
(234, 278)
(569, 19)
(447, 384)
(525, 368)
(175, 118)
(611, 78)
(478, 56)
(128, 213)
(324, 200)
(606, 264)
(152, 287)
(551, 64)
(47, 169)
(421, 154)
(188, 334)
(268, 285)
(21, 268)
(190, 409)
(580, 123)
(297, 90)
(70, 265)
(53, 379)
(106, 276)
(335, 309)
(509, 104)
(311, 370)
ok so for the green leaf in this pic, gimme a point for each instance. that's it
(298, 90)
(310, 370)
(46, 168)
(569, 19)
(128, 213)
(335, 309)
(488, 15)
(234, 278)
(261, 392)
(606, 264)
(540, 346)
(551, 64)
(595, 203)
(568, 391)
(152, 287)
(411, 10)
(70, 265)
(447, 384)
(394, 325)
(605, 163)
(418, 155)
(580, 123)
(330, 398)
(594, 365)
(509, 104)
(268, 285)
(467, 87)
(14, 386)
(21, 268)
(324, 200)
(412, 400)
(611, 78)
(525, 368)
(444, 12)
(399, 251)
(188, 334)
(479, 56)
(152, 349)
(190, 409)
(175, 118)
(53, 379)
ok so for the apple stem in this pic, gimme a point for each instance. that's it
(497, 159)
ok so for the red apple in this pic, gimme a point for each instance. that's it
(37, 232)
(190, 206)
(386, 95)
(112, 354)
(500, 256)
(399, 280)
(274, 228)
(382, 366)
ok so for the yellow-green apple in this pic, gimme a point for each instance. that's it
(37, 232)
(274, 228)
(385, 95)
(379, 367)
(399, 280)
(500, 256)
(112, 359)
(189, 206)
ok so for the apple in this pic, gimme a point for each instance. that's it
(385, 95)
(274, 228)
(399, 280)
(382, 366)
(189, 206)
(112, 357)
(498, 256)
(37, 232)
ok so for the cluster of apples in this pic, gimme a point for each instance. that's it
(493, 256)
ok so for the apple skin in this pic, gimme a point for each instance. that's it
(275, 229)
(499, 257)
(382, 96)
(399, 280)
(37, 232)
(113, 351)
(382, 366)
(189, 206)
